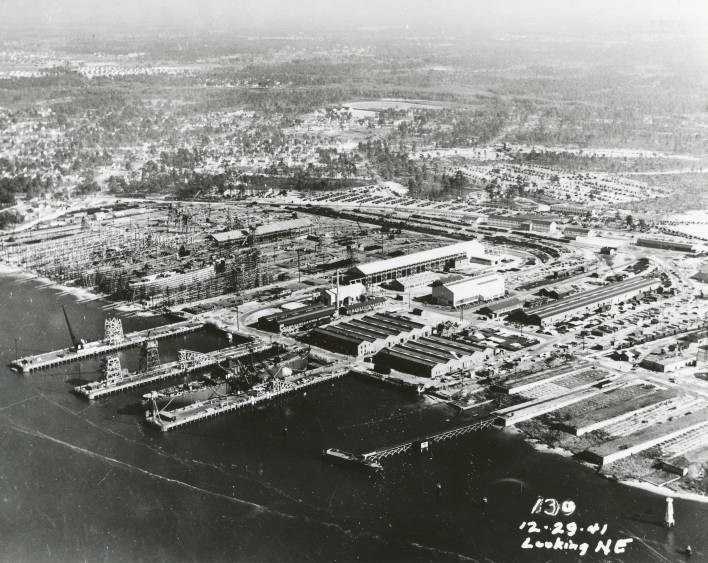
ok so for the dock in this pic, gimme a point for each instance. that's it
(426, 440)
(203, 410)
(98, 348)
(188, 363)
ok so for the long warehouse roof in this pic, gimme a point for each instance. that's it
(286, 225)
(228, 236)
(469, 247)
(587, 298)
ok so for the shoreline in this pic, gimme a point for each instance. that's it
(80, 293)
(634, 482)
(663, 491)
(84, 295)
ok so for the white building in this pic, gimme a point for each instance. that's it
(343, 295)
(441, 258)
(470, 290)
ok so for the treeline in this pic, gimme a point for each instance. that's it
(30, 186)
(182, 183)
(10, 217)
(424, 179)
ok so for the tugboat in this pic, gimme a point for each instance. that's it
(346, 458)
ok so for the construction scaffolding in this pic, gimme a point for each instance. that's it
(235, 273)
(149, 356)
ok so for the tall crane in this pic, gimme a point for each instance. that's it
(76, 342)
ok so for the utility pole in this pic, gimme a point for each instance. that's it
(16, 355)
(238, 325)
(298, 265)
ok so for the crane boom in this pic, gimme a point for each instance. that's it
(75, 341)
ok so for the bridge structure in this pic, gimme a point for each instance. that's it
(424, 441)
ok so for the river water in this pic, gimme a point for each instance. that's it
(84, 481)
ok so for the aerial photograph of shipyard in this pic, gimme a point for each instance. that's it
(353, 281)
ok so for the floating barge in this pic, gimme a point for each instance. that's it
(166, 420)
(105, 387)
(101, 347)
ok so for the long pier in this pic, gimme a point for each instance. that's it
(402, 447)
(101, 347)
(203, 410)
(194, 361)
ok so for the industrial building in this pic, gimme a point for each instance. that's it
(296, 319)
(281, 229)
(483, 287)
(665, 244)
(431, 356)
(578, 231)
(582, 302)
(414, 281)
(570, 209)
(369, 334)
(441, 258)
(340, 295)
(531, 223)
(667, 362)
(501, 307)
(264, 233)
(363, 306)
(229, 237)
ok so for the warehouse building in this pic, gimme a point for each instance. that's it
(665, 244)
(667, 362)
(281, 229)
(568, 307)
(544, 225)
(470, 290)
(264, 233)
(363, 306)
(501, 307)
(431, 356)
(571, 209)
(532, 223)
(414, 281)
(442, 258)
(506, 222)
(296, 319)
(369, 334)
(575, 231)
(229, 237)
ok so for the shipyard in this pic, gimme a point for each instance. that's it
(359, 282)
(522, 334)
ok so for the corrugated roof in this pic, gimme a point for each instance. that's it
(287, 225)
(504, 304)
(228, 236)
(470, 248)
(588, 298)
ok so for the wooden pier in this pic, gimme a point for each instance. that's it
(195, 361)
(98, 348)
(203, 410)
